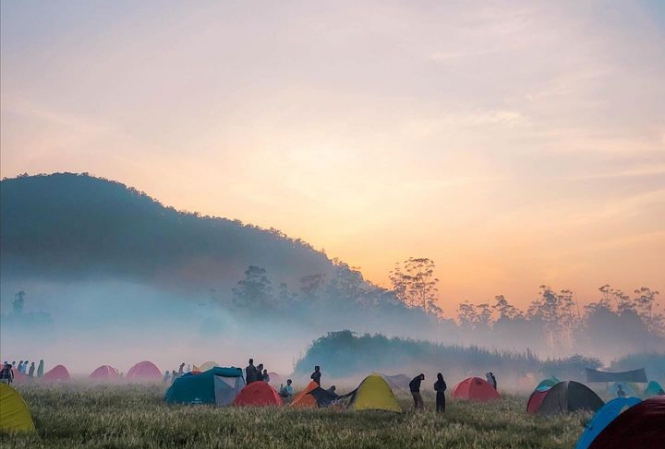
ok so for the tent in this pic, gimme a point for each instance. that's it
(208, 365)
(14, 413)
(305, 400)
(602, 418)
(475, 389)
(19, 377)
(258, 394)
(105, 372)
(640, 427)
(569, 396)
(57, 373)
(653, 389)
(275, 379)
(373, 393)
(638, 375)
(323, 398)
(547, 383)
(536, 399)
(398, 381)
(144, 370)
(217, 386)
(627, 389)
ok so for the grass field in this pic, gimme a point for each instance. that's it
(132, 416)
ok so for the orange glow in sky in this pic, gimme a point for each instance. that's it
(515, 144)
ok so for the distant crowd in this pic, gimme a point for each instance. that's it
(8, 369)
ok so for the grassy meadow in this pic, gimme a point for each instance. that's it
(133, 416)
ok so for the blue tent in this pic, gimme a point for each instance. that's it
(602, 418)
(216, 386)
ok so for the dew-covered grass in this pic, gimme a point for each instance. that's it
(134, 416)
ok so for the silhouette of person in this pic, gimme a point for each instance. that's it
(491, 379)
(316, 375)
(259, 372)
(440, 388)
(250, 372)
(40, 368)
(414, 387)
(620, 392)
(31, 371)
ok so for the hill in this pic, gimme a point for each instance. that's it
(72, 227)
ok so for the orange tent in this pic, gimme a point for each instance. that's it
(144, 370)
(475, 389)
(258, 394)
(105, 372)
(305, 400)
(56, 373)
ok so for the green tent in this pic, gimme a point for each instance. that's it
(216, 386)
(653, 389)
(547, 383)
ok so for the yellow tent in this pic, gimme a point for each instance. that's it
(374, 393)
(208, 365)
(14, 413)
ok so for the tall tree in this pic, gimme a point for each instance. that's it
(415, 285)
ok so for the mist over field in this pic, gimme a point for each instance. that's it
(97, 273)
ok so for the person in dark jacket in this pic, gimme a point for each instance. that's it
(31, 371)
(491, 379)
(414, 387)
(440, 388)
(316, 375)
(6, 374)
(250, 372)
(259, 372)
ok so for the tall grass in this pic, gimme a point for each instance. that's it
(71, 417)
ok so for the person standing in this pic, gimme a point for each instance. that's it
(40, 368)
(259, 372)
(491, 379)
(316, 375)
(6, 374)
(31, 371)
(414, 387)
(440, 388)
(250, 372)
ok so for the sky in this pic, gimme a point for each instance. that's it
(514, 143)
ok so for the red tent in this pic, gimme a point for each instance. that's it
(56, 373)
(475, 389)
(144, 370)
(19, 377)
(535, 400)
(642, 426)
(258, 394)
(105, 372)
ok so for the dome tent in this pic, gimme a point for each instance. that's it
(14, 413)
(475, 389)
(144, 370)
(57, 373)
(640, 427)
(258, 394)
(605, 415)
(105, 372)
(305, 400)
(373, 393)
(569, 396)
(217, 386)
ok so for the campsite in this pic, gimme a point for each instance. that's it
(215, 409)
